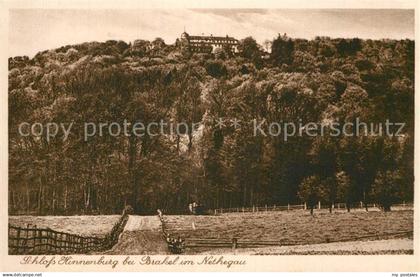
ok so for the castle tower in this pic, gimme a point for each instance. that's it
(185, 41)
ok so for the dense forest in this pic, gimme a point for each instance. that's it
(284, 80)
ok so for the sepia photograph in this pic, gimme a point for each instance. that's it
(211, 132)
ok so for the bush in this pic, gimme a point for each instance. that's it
(216, 69)
(386, 189)
(310, 191)
(128, 210)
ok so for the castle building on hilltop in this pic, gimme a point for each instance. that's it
(208, 44)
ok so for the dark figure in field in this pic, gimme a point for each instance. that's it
(196, 209)
(200, 210)
(312, 203)
(348, 206)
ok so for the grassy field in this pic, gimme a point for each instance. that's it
(322, 233)
(97, 225)
(376, 247)
(293, 227)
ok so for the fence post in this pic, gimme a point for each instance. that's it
(266, 208)
(18, 240)
(319, 205)
(288, 206)
(59, 243)
(34, 238)
(274, 207)
(55, 241)
(50, 241)
(253, 208)
(361, 204)
(47, 241)
(215, 212)
(27, 235)
(39, 235)
(304, 206)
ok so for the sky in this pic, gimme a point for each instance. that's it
(34, 30)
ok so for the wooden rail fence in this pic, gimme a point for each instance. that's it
(36, 241)
(237, 243)
(266, 208)
(33, 240)
(175, 245)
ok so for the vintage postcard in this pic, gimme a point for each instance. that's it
(208, 136)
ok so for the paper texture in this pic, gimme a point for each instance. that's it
(208, 136)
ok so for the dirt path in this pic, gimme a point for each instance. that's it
(142, 223)
(141, 236)
(391, 246)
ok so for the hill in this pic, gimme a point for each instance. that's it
(219, 165)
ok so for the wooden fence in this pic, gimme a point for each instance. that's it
(175, 245)
(32, 240)
(266, 208)
(36, 241)
(178, 245)
(237, 243)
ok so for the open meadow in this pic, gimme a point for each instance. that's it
(293, 232)
(86, 225)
